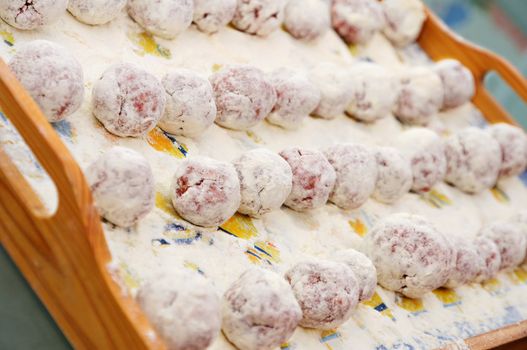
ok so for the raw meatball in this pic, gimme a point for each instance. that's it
(127, 100)
(265, 181)
(327, 292)
(363, 269)
(122, 184)
(374, 92)
(205, 192)
(356, 170)
(490, 257)
(212, 15)
(297, 97)
(244, 96)
(260, 311)
(183, 307)
(404, 20)
(513, 144)
(31, 14)
(467, 263)
(52, 76)
(335, 85)
(420, 96)
(410, 255)
(313, 178)
(356, 21)
(190, 107)
(510, 240)
(473, 160)
(306, 19)
(458, 83)
(95, 11)
(258, 17)
(426, 151)
(164, 18)
(394, 175)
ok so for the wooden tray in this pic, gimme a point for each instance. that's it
(64, 256)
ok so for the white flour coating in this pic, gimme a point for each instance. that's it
(335, 85)
(420, 95)
(265, 181)
(164, 18)
(244, 96)
(327, 292)
(52, 76)
(521, 219)
(468, 262)
(363, 269)
(122, 185)
(426, 151)
(212, 15)
(258, 17)
(489, 254)
(458, 83)
(259, 310)
(296, 95)
(313, 178)
(511, 242)
(473, 160)
(182, 306)
(28, 15)
(513, 145)
(96, 11)
(374, 92)
(356, 21)
(205, 192)
(394, 175)
(306, 19)
(190, 107)
(404, 20)
(356, 170)
(410, 255)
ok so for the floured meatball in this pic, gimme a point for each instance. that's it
(31, 14)
(513, 145)
(212, 15)
(335, 85)
(122, 185)
(490, 257)
(190, 107)
(127, 100)
(458, 83)
(296, 95)
(467, 263)
(313, 178)
(410, 255)
(374, 92)
(52, 76)
(164, 18)
(205, 192)
(394, 175)
(356, 21)
(521, 220)
(244, 96)
(363, 269)
(473, 160)
(306, 19)
(426, 151)
(327, 292)
(404, 20)
(265, 181)
(95, 11)
(258, 17)
(420, 96)
(259, 310)
(183, 307)
(356, 170)
(511, 242)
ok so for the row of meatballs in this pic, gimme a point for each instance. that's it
(261, 309)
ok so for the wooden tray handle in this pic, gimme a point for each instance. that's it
(64, 256)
